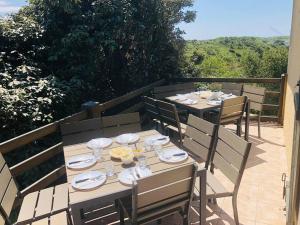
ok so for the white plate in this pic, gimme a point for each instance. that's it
(99, 143)
(214, 102)
(152, 140)
(129, 138)
(227, 96)
(127, 176)
(82, 161)
(189, 102)
(91, 183)
(182, 97)
(167, 155)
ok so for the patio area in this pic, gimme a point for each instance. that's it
(260, 195)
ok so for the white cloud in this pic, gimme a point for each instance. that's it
(6, 7)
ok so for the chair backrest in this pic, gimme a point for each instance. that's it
(81, 131)
(118, 124)
(8, 192)
(170, 189)
(199, 138)
(150, 107)
(232, 88)
(230, 155)
(256, 95)
(232, 109)
(168, 114)
(170, 90)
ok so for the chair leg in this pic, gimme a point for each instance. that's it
(258, 125)
(239, 128)
(235, 210)
(186, 220)
(121, 212)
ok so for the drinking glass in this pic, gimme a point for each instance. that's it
(157, 148)
(142, 162)
(109, 168)
(147, 146)
(97, 152)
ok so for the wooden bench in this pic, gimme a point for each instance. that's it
(47, 206)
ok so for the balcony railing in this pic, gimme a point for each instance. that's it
(130, 102)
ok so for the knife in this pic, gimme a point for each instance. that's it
(79, 161)
(84, 180)
(179, 154)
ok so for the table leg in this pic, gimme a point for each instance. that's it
(76, 215)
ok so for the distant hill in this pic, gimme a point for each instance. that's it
(236, 57)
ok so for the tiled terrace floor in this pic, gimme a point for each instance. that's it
(260, 196)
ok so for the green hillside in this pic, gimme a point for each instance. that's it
(236, 57)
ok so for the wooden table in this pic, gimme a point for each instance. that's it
(202, 106)
(199, 108)
(112, 189)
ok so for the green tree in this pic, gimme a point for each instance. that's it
(274, 62)
(250, 62)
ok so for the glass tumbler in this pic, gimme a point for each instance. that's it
(109, 168)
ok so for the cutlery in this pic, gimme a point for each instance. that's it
(88, 179)
(132, 174)
(179, 154)
(137, 173)
(168, 157)
(161, 139)
(79, 161)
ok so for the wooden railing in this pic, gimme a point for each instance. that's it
(20, 141)
(279, 94)
(98, 109)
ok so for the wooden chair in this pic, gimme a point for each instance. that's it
(232, 111)
(81, 131)
(121, 123)
(199, 138)
(232, 88)
(44, 207)
(170, 90)
(151, 109)
(160, 195)
(230, 157)
(256, 96)
(169, 118)
(85, 130)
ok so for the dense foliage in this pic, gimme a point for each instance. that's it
(54, 55)
(236, 57)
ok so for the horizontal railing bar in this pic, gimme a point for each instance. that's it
(27, 138)
(230, 80)
(38, 133)
(270, 106)
(116, 101)
(133, 108)
(44, 181)
(35, 160)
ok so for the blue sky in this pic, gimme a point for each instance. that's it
(218, 18)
